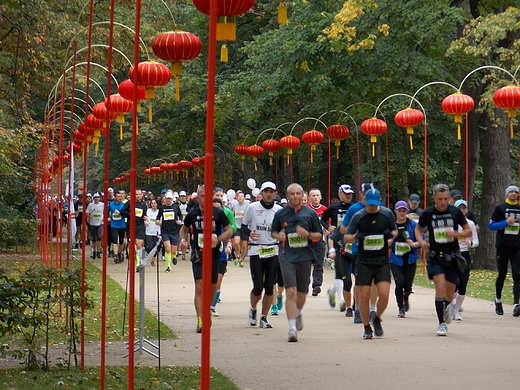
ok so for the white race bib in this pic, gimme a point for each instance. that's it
(402, 248)
(169, 216)
(348, 248)
(265, 251)
(97, 215)
(295, 241)
(441, 235)
(374, 242)
(512, 229)
(138, 213)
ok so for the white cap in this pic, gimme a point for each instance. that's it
(268, 184)
(96, 195)
(248, 197)
(169, 195)
(283, 200)
(182, 193)
(110, 189)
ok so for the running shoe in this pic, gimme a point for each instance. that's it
(236, 261)
(264, 323)
(498, 308)
(406, 305)
(279, 302)
(316, 291)
(332, 297)
(349, 312)
(299, 322)
(442, 330)
(274, 310)
(241, 264)
(214, 313)
(293, 336)
(367, 335)
(98, 255)
(93, 255)
(167, 270)
(357, 317)
(457, 316)
(378, 329)
(516, 310)
(448, 314)
(401, 313)
(342, 306)
(184, 256)
(199, 325)
(174, 260)
(372, 315)
(252, 317)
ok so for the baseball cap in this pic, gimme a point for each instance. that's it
(218, 189)
(89, 194)
(346, 189)
(169, 195)
(248, 197)
(277, 198)
(401, 205)
(268, 184)
(163, 191)
(366, 186)
(110, 189)
(414, 198)
(193, 195)
(97, 194)
(283, 201)
(511, 188)
(373, 197)
(456, 194)
(182, 193)
(461, 201)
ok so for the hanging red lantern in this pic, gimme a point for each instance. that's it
(120, 106)
(126, 90)
(241, 150)
(409, 118)
(150, 75)
(457, 104)
(313, 138)
(227, 10)
(185, 166)
(101, 112)
(95, 124)
(373, 127)
(255, 151)
(177, 47)
(289, 142)
(198, 162)
(508, 98)
(271, 145)
(337, 133)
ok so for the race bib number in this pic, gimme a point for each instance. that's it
(116, 217)
(348, 248)
(138, 213)
(184, 215)
(169, 216)
(200, 241)
(267, 251)
(374, 242)
(512, 229)
(239, 213)
(340, 219)
(80, 209)
(295, 241)
(151, 220)
(402, 248)
(97, 216)
(440, 235)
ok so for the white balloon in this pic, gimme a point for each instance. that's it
(255, 192)
(231, 194)
(251, 183)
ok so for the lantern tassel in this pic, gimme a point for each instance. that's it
(511, 133)
(458, 132)
(256, 168)
(120, 131)
(177, 90)
(409, 130)
(411, 143)
(224, 53)
(312, 160)
(282, 13)
(337, 152)
(150, 112)
(373, 150)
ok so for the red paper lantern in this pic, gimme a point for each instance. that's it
(409, 118)
(457, 104)
(373, 127)
(227, 10)
(147, 171)
(185, 165)
(313, 138)
(271, 145)
(289, 142)
(126, 90)
(150, 75)
(177, 47)
(119, 106)
(255, 151)
(101, 112)
(337, 133)
(508, 98)
(198, 161)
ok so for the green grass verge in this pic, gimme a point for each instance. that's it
(481, 284)
(151, 378)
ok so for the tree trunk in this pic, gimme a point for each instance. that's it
(496, 166)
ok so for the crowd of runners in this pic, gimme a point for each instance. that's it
(288, 241)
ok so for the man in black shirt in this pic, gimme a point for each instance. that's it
(170, 219)
(445, 264)
(140, 217)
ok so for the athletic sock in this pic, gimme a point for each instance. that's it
(338, 288)
(292, 324)
(458, 303)
(215, 301)
(439, 308)
(168, 259)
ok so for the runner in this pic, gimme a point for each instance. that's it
(153, 230)
(296, 227)
(140, 228)
(117, 227)
(263, 253)
(445, 264)
(95, 217)
(169, 218)
(239, 206)
(319, 247)
(374, 228)
(194, 220)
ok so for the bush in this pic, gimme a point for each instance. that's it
(15, 233)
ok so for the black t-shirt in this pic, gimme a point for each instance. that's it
(194, 219)
(509, 237)
(334, 214)
(140, 213)
(169, 215)
(437, 223)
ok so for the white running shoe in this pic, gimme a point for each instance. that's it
(457, 316)
(442, 330)
(293, 336)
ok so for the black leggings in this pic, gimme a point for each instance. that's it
(263, 273)
(403, 276)
(503, 257)
(464, 278)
